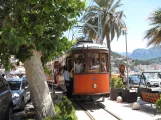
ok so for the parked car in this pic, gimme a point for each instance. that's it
(134, 79)
(151, 78)
(20, 92)
(6, 104)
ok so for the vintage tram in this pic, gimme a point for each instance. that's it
(89, 63)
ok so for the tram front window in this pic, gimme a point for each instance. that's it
(93, 62)
(90, 63)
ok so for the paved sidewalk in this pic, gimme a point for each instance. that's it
(124, 111)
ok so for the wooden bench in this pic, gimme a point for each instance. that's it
(150, 98)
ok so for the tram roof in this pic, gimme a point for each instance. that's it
(88, 45)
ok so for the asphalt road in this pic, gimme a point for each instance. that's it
(25, 114)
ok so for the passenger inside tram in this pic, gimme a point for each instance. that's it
(93, 62)
(84, 67)
(90, 61)
(103, 65)
(78, 66)
(97, 61)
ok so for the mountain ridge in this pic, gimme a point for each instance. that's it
(144, 54)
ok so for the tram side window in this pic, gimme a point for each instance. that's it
(93, 62)
(103, 62)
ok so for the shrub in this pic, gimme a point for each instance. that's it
(158, 104)
(116, 82)
(64, 110)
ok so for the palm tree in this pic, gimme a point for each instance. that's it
(154, 33)
(112, 22)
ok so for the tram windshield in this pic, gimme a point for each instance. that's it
(89, 63)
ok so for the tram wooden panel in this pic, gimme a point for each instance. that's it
(83, 84)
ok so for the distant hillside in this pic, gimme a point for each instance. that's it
(123, 53)
(144, 54)
(155, 60)
(116, 55)
(117, 60)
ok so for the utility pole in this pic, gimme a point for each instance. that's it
(127, 59)
(99, 33)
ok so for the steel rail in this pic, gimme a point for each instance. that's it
(83, 108)
(117, 117)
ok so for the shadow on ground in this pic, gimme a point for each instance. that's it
(27, 113)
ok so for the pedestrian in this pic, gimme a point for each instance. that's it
(67, 82)
(71, 80)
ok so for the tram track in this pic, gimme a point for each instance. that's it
(91, 117)
(85, 110)
(118, 118)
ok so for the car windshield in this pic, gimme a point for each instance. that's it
(14, 85)
(135, 78)
(152, 75)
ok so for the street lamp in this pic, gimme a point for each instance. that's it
(125, 32)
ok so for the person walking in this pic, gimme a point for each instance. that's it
(67, 82)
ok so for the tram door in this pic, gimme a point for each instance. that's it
(69, 64)
(70, 68)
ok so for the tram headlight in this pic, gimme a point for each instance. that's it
(94, 85)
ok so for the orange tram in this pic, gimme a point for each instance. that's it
(89, 63)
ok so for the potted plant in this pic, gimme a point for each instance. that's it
(129, 95)
(116, 87)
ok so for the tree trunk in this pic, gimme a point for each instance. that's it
(40, 93)
(109, 56)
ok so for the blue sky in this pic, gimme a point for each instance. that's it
(137, 12)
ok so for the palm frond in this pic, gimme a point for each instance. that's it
(116, 5)
(156, 17)
(110, 5)
(154, 34)
(112, 22)
(93, 8)
(89, 27)
(103, 3)
(91, 12)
